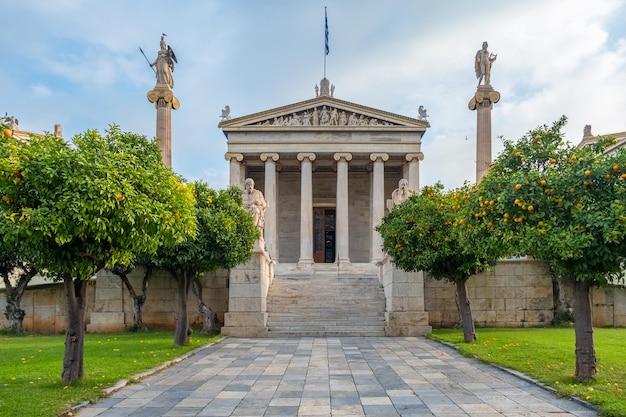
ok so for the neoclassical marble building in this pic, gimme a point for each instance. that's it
(327, 168)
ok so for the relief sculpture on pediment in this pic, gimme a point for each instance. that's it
(324, 116)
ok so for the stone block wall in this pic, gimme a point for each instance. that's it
(515, 293)
(110, 307)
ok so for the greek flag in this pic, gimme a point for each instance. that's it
(326, 33)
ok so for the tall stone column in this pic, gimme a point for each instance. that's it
(483, 101)
(306, 208)
(164, 101)
(235, 168)
(270, 228)
(414, 169)
(378, 203)
(342, 227)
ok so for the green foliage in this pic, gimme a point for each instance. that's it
(558, 203)
(424, 233)
(98, 201)
(224, 238)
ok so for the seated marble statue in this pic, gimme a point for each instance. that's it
(254, 203)
(401, 193)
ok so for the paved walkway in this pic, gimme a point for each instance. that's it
(334, 376)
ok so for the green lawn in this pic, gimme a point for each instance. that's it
(30, 368)
(547, 355)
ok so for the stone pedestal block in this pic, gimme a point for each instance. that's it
(412, 323)
(247, 306)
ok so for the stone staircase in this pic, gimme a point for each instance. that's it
(326, 305)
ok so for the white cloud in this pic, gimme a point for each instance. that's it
(41, 90)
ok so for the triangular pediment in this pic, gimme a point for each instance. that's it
(323, 112)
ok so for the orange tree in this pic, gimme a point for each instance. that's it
(82, 206)
(224, 239)
(563, 205)
(423, 233)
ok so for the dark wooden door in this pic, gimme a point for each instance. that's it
(323, 235)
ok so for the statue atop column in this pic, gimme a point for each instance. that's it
(164, 64)
(482, 64)
(484, 99)
(255, 204)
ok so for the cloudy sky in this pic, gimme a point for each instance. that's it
(77, 63)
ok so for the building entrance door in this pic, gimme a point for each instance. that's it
(323, 235)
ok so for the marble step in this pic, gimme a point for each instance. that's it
(326, 305)
(326, 333)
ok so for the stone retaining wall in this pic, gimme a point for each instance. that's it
(110, 308)
(515, 293)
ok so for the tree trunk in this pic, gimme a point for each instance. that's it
(583, 326)
(76, 299)
(210, 325)
(138, 300)
(465, 310)
(182, 332)
(13, 311)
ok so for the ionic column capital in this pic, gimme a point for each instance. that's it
(347, 156)
(375, 156)
(163, 97)
(484, 98)
(266, 156)
(230, 155)
(410, 156)
(306, 155)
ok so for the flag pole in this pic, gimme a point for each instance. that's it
(325, 38)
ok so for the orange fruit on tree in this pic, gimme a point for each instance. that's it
(587, 173)
(7, 133)
(623, 176)
(542, 182)
(615, 167)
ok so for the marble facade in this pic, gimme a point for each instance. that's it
(327, 168)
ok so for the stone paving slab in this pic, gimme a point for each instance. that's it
(333, 376)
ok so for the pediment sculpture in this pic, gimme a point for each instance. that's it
(324, 116)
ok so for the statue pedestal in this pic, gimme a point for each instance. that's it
(404, 292)
(247, 305)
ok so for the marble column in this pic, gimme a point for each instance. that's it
(164, 101)
(483, 101)
(235, 168)
(270, 230)
(306, 208)
(414, 169)
(342, 226)
(378, 203)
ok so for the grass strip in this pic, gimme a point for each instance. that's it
(30, 368)
(547, 355)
